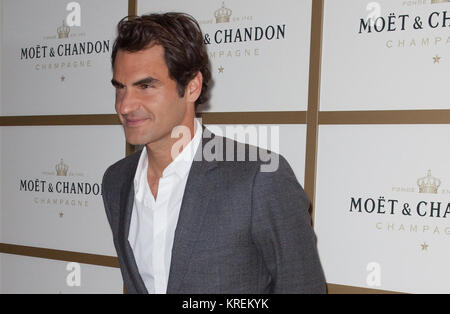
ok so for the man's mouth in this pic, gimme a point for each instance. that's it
(135, 122)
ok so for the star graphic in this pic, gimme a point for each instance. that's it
(63, 78)
(436, 59)
(424, 247)
(221, 69)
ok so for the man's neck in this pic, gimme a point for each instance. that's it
(159, 153)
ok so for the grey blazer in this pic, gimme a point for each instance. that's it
(240, 230)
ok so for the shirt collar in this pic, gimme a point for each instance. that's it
(140, 178)
(180, 165)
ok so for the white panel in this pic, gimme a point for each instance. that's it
(36, 275)
(1, 184)
(287, 140)
(252, 75)
(1, 56)
(397, 67)
(370, 207)
(1, 202)
(51, 80)
(44, 208)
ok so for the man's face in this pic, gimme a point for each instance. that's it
(147, 99)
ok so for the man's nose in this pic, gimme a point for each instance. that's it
(128, 102)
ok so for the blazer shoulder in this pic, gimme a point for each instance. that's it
(244, 155)
(121, 170)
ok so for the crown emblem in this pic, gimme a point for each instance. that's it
(61, 169)
(428, 184)
(223, 14)
(63, 31)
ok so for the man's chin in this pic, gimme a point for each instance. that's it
(135, 139)
(135, 143)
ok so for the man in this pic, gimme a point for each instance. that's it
(183, 223)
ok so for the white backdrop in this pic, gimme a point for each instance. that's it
(389, 248)
(38, 275)
(39, 210)
(381, 166)
(387, 70)
(42, 84)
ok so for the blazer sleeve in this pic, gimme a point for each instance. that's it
(282, 232)
(105, 192)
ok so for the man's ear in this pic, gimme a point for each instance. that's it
(194, 88)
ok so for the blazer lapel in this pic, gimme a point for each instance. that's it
(126, 209)
(192, 213)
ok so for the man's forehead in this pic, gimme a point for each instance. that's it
(142, 63)
(150, 51)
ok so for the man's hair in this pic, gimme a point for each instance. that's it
(181, 37)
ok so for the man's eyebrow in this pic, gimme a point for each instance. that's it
(116, 83)
(147, 80)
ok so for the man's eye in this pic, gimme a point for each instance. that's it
(145, 86)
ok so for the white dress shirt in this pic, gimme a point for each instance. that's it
(153, 222)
